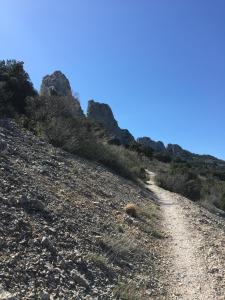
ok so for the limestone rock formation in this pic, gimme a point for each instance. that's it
(126, 137)
(57, 84)
(102, 113)
(177, 151)
(146, 141)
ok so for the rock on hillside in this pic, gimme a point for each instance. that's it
(177, 151)
(63, 230)
(146, 141)
(102, 113)
(58, 84)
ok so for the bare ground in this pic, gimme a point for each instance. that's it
(193, 254)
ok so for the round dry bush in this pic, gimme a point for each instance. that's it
(131, 209)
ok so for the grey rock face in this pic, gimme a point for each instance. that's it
(102, 113)
(178, 151)
(126, 137)
(146, 141)
(174, 149)
(56, 83)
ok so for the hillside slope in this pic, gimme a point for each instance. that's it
(63, 230)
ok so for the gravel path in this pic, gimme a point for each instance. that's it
(188, 275)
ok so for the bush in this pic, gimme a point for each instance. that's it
(220, 175)
(49, 116)
(213, 193)
(180, 183)
(189, 180)
(15, 86)
(141, 149)
(130, 290)
(131, 210)
(121, 160)
(163, 157)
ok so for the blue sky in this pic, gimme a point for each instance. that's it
(160, 64)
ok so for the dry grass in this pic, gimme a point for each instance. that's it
(130, 290)
(131, 210)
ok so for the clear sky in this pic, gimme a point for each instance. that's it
(160, 64)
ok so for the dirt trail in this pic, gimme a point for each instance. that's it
(188, 276)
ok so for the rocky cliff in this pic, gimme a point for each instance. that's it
(146, 141)
(57, 84)
(178, 152)
(102, 113)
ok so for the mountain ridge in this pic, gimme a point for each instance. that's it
(58, 83)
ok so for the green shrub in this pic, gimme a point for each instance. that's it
(141, 149)
(181, 183)
(130, 290)
(163, 157)
(213, 193)
(15, 86)
(49, 116)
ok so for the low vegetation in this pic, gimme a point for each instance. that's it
(196, 181)
(50, 117)
(200, 178)
(131, 209)
(80, 136)
(15, 86)
(130, 290)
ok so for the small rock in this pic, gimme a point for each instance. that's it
(45, 296)
(4, 295)
(78, 278)
(214, 270)
(48, 244)
(3, 146)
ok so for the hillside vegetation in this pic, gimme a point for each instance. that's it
(58, 118)
(64, 231)
(50, 117)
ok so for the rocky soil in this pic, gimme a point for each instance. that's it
(64, 233)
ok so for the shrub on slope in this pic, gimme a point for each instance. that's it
(15, 86)
(49, 116)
